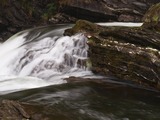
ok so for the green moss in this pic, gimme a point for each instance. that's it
(155, 18)
(84, 25)
(89, 63)
(152, 17)
(94, 40)
(90, 41)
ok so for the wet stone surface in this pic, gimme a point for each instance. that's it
(131, 54)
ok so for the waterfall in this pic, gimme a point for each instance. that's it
(41, 57)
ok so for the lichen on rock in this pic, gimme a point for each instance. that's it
(152, 18)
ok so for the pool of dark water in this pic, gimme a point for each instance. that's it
(91, 101)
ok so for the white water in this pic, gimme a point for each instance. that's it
(129, 24)
(47, 60)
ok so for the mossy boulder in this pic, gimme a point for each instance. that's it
(83, 26)
(152, 18)
(130, 54)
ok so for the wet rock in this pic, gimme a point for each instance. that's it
(12, 110)
(152, 18)
(19, 15)
(106, 10)
(83, 26)
(62, 18)
(127, 18)
(130, 54)
(12, 19)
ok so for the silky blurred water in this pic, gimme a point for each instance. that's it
(91, 101)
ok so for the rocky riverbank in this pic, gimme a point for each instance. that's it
(19, 15)
(106, 10)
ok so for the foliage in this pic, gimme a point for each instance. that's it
(50, 11)
(4, 2)
(27, 6)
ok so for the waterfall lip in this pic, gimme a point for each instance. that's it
(12, 43)
(122, 24)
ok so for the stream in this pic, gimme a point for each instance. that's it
(37, 66)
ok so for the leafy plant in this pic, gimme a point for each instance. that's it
(50, 11)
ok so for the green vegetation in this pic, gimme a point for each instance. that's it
(31, 7)
(50, 11)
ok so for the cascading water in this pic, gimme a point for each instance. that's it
(37, 58)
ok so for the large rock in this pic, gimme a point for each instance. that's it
(106, 10)
(15, 110)
(130, 54)
(152, 18)
(19, 15)
(12, 110)
(12, 19)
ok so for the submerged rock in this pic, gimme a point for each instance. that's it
(130, 54)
